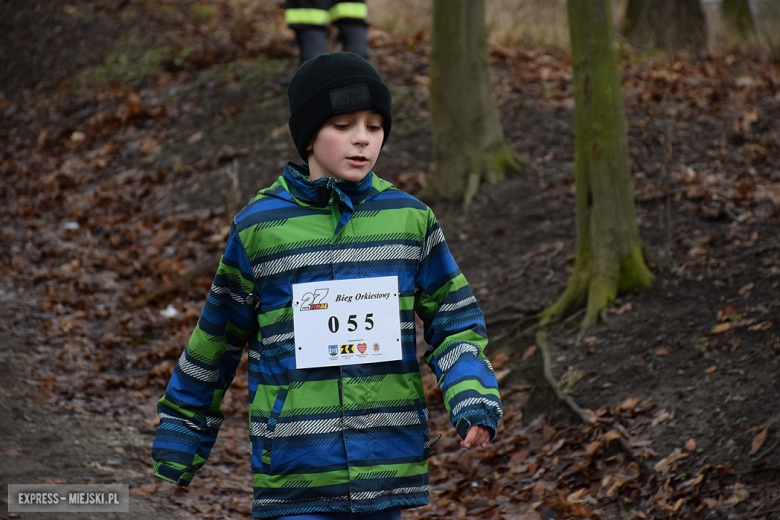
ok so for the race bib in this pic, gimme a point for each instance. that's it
(346, 322)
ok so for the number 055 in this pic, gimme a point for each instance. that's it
(352, 324)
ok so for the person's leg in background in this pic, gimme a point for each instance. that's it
(350, 18)
(309, 20)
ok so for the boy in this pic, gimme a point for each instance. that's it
(322, 274)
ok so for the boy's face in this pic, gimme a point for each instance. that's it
(347, 146)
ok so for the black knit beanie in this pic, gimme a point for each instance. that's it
(330, 84)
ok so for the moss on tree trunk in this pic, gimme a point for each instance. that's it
(738, 18)
(666, 24)
(469, 144)
(610, 256)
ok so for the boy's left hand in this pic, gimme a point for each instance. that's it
(476, 436)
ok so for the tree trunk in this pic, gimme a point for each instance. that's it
(738, 18)
(468, 140)
(666, 24)
(610, 256)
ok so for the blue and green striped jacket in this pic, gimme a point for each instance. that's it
(331, 439)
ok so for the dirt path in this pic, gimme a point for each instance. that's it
(45, 445)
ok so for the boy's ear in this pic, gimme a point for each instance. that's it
(310, 146)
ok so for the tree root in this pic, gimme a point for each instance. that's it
(505, 160)
(542, 344)
(584, 415)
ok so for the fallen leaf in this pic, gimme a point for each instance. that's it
(501, 374)
(661, 416)
(149, 145)
(746, 289)
(228, 153)
(499, 359)
(78, 137)
(576, 497)
(720, 328)
(727, 312)
(519, 457)
(692, 482)
(711, 503)
(52, 480)
(530, 351)
(142, 491)
(14, 451)
(629, 404)
(531, 514)
(477, 505)
(603, 440)
(626, 307)
(695, 251)
(664, 465)
(748, 118)
(592, 448)
(758, 440)
(764, 325)
(661, 351)
(194, 138)
(739, 493)
(770, 192)
(690, 445)
(711, 370)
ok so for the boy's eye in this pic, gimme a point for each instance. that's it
(341, 126)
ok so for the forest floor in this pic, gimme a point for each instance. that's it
(121, 139)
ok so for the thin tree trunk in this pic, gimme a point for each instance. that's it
(469, 144)
(666, 24)
(738, 18)
(610, 256)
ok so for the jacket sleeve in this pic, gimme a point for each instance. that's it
(190, 411)
(454, 329)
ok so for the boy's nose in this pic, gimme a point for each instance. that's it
(361, 136)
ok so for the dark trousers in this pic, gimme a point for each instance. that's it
(310, 18)
(323, 12)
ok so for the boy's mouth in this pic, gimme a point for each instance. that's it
(357, 160)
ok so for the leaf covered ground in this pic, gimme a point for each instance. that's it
(131, 133)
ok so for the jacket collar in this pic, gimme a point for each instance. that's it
(320, 192)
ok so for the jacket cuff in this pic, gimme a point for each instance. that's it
(479, 419)
(172, 472)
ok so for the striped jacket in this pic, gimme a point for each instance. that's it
(338, 438)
